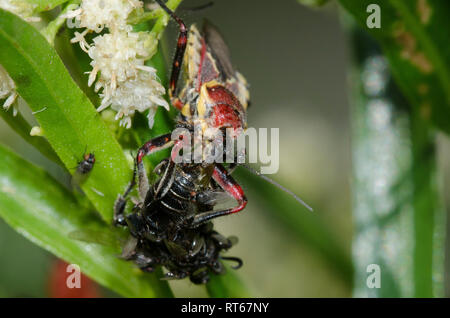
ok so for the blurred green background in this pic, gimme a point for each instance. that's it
(298, 62)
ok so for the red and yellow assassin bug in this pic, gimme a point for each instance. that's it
(171, 224)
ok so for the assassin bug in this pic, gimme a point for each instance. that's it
(170, 225)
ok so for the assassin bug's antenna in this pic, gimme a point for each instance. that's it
(278, 186)
(179, 53)
(200, 7)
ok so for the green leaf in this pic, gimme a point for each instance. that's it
(39, 208)
(414, 38)
(67, 117)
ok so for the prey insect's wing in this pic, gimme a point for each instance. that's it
(213, 197)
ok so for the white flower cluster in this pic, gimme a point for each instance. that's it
(118, 57)
(22, 8)
(95, 15)
(7, 90)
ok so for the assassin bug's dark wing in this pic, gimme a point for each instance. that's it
(219, 50)
(207, 59)
(233, 80)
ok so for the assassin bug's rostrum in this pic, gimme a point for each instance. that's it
(171, 224)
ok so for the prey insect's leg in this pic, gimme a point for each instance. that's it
(166, 180)
(119, 204)
(149, 147)
(179, 54)
(233, 259)
(227, 183)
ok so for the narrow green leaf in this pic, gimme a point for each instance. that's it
(414, 38)
(69, 120)
(39, 208)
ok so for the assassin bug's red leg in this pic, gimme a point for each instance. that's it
(152, 146)
(179, 54)
(227, 183)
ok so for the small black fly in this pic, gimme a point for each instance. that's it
(85, 166)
